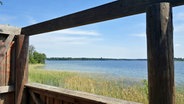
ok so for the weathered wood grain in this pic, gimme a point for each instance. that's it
(160, 54)
(6, 46)
(116, 9)
(6, 29)
(6, 84)
(58, 95)
(7, 98)
(12, 64)
(6, 89)
(22, 44)
(2, 75)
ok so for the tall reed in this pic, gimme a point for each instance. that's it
(95, 83)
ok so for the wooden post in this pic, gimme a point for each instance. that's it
(22, 44)
(160, 54)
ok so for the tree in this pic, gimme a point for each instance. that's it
(31, 51)
(39, 57)
(36, 57)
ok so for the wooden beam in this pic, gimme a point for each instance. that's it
(22, 44)
(5, 29)
(35, 98)
(160, 54)
(72, 96)
(6, 89)
(5, 47)
(116, 9)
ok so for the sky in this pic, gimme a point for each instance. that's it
(118, 38)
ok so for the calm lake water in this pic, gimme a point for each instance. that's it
(135, 69)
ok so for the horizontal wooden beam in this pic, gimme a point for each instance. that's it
(6, 89)
(6, 29)
(116, 9)
(69, 95)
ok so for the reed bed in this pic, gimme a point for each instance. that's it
(96, 84)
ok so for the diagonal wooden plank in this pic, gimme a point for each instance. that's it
(35, 98)
(116, 9)
(5, 46)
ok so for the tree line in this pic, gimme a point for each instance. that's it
(179, 59)
(84, 58)
(36, 57)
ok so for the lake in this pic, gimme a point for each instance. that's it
(134, 69)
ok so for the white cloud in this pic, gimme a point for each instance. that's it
(64, 43)
(76, 32)
(67, 37)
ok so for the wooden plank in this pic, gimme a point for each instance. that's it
(2, 82)
(6, 89)
(43, 98)
(56, 101)
(2, 76)
(47, 100)
(12, 64)
(2, 73)
(6, 29)
(5, 52)
(8, 71)
(7, 44)
(116, 9)
(26, 97)
(160, 54)
(7, 98)
(6, 93)
(73, 96)
(35, 98)
(51, 100)
(22, 44)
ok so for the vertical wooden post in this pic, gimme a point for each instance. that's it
(160, 54)
(22, 44)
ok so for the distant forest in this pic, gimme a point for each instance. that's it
(84, 58)
(179, 59)
(70, 58)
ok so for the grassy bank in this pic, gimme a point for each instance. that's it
(99, 84)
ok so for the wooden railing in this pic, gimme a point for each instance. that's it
(159, 49)
(44, 94)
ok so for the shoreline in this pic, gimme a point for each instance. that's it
(99, 75)
(99, 59)
(115, 88)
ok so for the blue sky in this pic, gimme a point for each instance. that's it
(119, 38)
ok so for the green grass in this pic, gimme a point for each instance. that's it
(95, 83)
